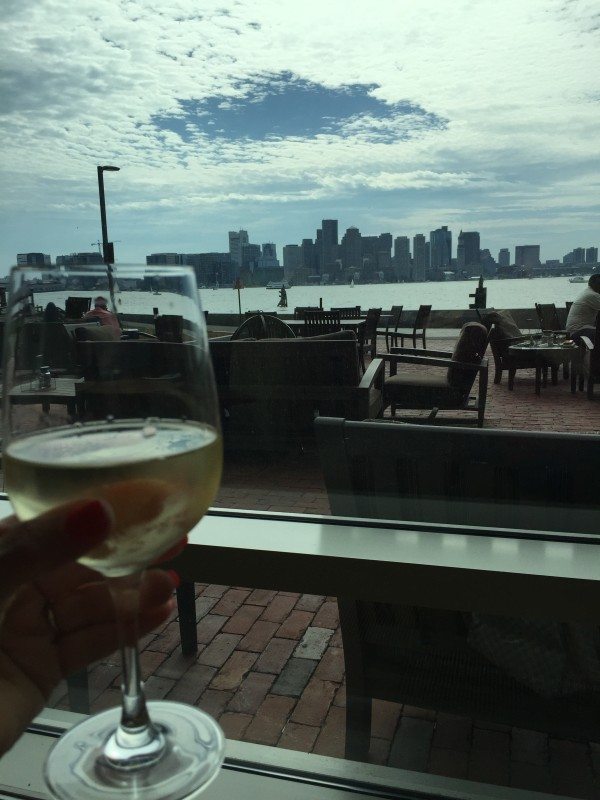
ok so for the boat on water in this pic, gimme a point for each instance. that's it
(577, 279)
(278, 285)
(352, 283)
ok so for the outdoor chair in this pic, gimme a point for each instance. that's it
(531, 673)
(299, 311)
(76, 307)
(586, 365)
(419, 328)
(389, 330)
(317, 322)
(349, 312)
(504, 332)
(548, 317)
(368, 341)
(263, 326)
(51, 341)
(169, 328)
(431, 388)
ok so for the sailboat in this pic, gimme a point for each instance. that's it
(352, 283)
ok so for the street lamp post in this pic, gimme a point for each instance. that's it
(108, 250)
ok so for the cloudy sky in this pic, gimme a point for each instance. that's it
(392, 115)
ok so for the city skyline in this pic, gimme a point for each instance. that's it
(267, 116)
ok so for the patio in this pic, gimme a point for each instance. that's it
(270, 664)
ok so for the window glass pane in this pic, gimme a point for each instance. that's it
(390, 210)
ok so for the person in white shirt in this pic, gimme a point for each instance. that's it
(581, 320)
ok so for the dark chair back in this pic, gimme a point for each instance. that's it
(169, 328)
(76, 307)
(497, 668)
(317, 322)
(263, 326)
(548, 317)
(371, 323)
(299, 311)
(50, 340)
(348, 312)
(469, 349)
(422, 318)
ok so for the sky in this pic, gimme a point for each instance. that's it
(269, 115)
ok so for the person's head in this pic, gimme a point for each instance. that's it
(100, 302)
(594, 282)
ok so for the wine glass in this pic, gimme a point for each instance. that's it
(98, 406)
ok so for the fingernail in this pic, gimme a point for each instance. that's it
(174, 577)
(89, 522)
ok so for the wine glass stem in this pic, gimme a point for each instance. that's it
(136, 741)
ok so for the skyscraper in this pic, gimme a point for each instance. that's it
(237, 240)
(504, 257)
(351, 249)
(402, 257)
(440, 241)
(468, 251)
(527, 255)
(591, 255)
(419, 257)
(292, 259)
(307, 247)
(329, 244)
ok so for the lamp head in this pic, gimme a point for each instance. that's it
(109, 169)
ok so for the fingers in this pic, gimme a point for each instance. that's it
(91, 604)
(82, 647)
(174, 551)
(28, 549)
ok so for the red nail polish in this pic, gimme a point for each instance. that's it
(174, 577)
(89, 522)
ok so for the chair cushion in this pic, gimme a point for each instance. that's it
(96, 333)
(421, 390)
(469, 349)
(504, 322)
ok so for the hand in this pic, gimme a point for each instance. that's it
(57, 616)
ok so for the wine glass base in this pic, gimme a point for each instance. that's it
(194, 751)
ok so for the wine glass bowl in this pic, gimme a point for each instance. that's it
(113, 405)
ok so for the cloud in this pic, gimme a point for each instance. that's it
(401, 110)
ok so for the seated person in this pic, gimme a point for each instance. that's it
(581, 320)
(101, 312)
(52, 313)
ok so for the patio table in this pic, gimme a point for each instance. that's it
(61, 392)
(545, 355)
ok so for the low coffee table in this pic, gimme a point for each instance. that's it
(545, 355)
(61, 392)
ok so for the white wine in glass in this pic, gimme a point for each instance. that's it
(118, 407)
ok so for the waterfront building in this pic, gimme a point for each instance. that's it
(440, 242)
(34, 259)
(160, 259)
(527, 255)
(591, 255)
(308, 254)
(468, 251)
(402, 257)
(351, 249)
(237, 240)
(250, 256)
(212, 269)
(504, 257)
(318, 252)
(292, 260)
(418, 273)
(329, 244)
(79, 259)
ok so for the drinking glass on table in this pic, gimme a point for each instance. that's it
(135, 422)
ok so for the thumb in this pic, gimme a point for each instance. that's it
(28, 549)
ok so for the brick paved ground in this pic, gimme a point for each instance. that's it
(270, 664)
